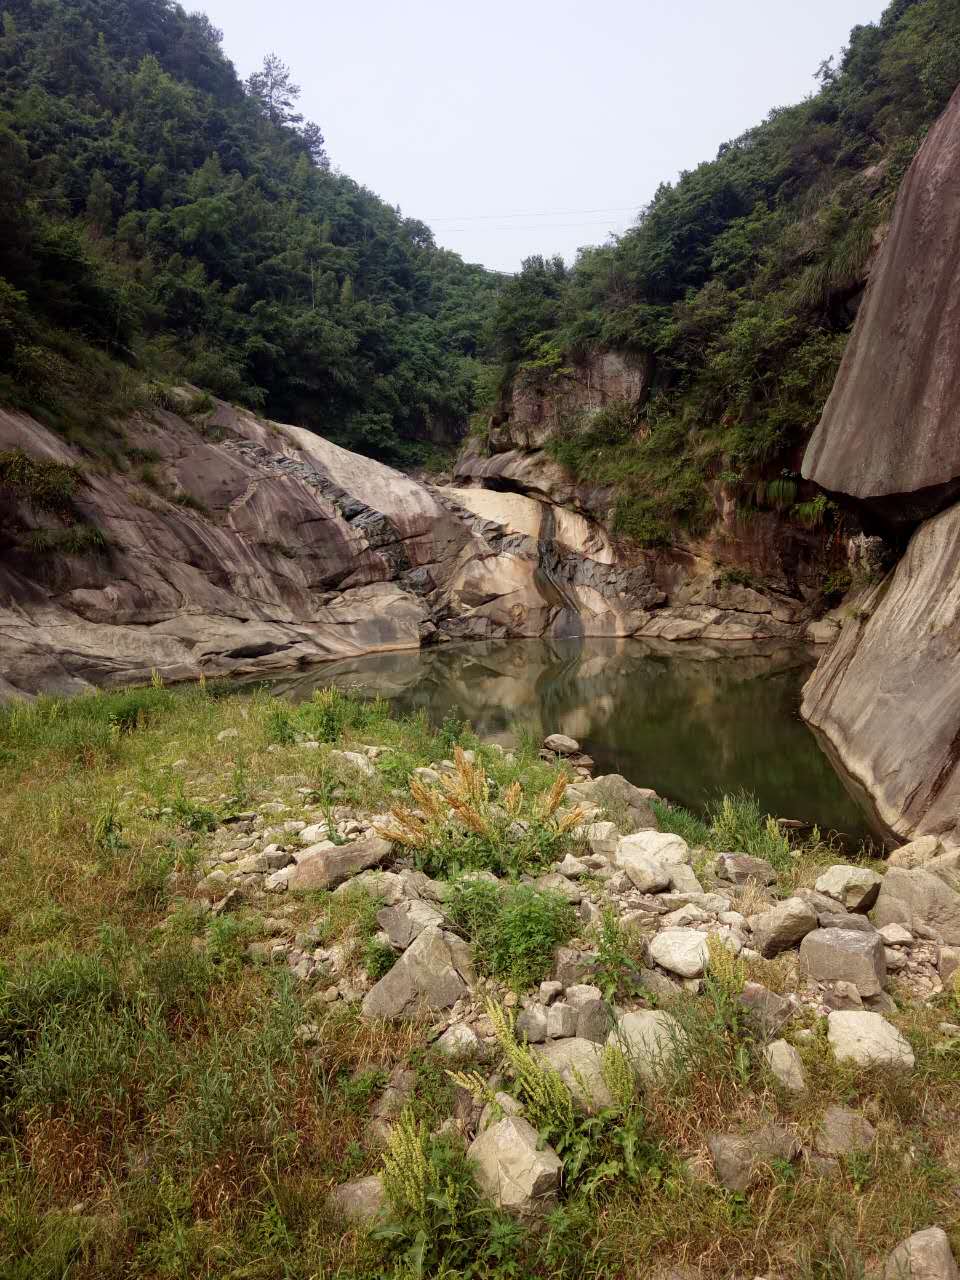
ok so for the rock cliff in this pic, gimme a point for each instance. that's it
(886, 697)
(235, 545)
(888, 436)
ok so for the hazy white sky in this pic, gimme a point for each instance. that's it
(534, 126)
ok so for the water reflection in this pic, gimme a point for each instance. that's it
(692, 722)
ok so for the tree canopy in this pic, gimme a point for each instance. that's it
(158, 212)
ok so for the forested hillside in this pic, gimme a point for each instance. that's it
(161, 220)
(739, 283)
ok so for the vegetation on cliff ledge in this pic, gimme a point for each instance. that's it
(739, 283)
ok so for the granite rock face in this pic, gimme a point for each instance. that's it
(254, 546)
(885, 696)
(888, 433)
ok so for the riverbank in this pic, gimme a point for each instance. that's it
(241, 960)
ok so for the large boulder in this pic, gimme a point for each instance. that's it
(612, 791)
(680, 951)
(855, 888)
(433, 973)
(514, 1168)
(888, 433)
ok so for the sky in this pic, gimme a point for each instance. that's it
(534, 126)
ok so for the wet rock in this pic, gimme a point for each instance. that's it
(434, 972)
(845, 955)
(868, 1039)
(514, 1169)
(842, 1132)
(331, 866)
(926, 1255)
(856, 888)
(782, 926)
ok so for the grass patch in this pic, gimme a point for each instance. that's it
(514, 929)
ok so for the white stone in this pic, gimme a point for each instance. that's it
(645, 872)
(680, 951)
(867, 1039)
(785, 1063)
(662, 845)
(855, 887)
(460, 1041)
(926, 1255)
(602, 838)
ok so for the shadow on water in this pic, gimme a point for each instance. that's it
(691, 722)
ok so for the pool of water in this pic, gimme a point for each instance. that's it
(691, 721)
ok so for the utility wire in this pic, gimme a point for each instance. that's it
(547, 213)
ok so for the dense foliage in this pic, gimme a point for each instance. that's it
(740, 281)
(158, 212)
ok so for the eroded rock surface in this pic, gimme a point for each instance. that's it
(888, 433)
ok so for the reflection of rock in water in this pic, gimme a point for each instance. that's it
(691, 722)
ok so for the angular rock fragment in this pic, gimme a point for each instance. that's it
(868, 1040)
(433, 973)
(515, 1169)
(331, 865)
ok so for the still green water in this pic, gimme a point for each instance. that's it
(692, 721)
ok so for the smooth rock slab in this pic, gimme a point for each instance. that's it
(845, 955)
(926, 1255)
(868, 1040)
(514, 1169)
(433, 973)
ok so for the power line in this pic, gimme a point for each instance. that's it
(530, 226)
(547, 213)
